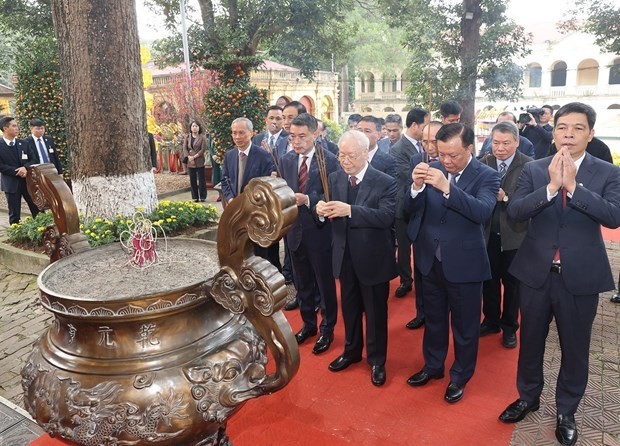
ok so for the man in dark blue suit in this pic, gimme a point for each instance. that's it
(382, 161)
(402, 151)
(430, 154)
(361, 211)
(309, 240)
(42, 146)
(290, 112)
(452, 199)
(241, 164)
(274, 135)
(14, 158)
(562, 264)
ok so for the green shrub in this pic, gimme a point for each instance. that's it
(616, 158)
(30, 230)
(38, 94)
(168, 218)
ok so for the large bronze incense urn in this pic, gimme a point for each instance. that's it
(128, 361)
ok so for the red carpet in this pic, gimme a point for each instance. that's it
(320, 407)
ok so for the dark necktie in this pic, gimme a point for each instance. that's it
(502, 169)
(12, 143)
(272, 141)
(243, 158)
(353, 181)
(44, 157)
(303, 175)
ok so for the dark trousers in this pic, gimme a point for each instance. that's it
(403, 257)
(313, 269)
(287, 267)
(574, 316)
(358, 299)
(494, 316)
(271, 253)
(450, 304)
(14, 203)
(419, 293)
(198, 183)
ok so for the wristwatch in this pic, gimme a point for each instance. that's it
(505, 199)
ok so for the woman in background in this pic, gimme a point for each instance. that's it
(194, 147)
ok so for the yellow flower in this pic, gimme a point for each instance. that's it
(169, 220)
(180, 209)
(81, 225)
(157, 223)
(98, 220)
(40, 229)
(94, 226)
(140, 209)
(87, 231)
(107, 231)
(173, 216)
(122, 222)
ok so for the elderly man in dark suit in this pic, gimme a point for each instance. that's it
(241, 164)
(42, 146)
(562, 264)
(504, 237)
(361, 211)
(408, 145)
(384, 162)
(14, 158)
(452, 199)
(310, 241)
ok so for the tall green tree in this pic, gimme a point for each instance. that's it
(458, 48)
(304, 33)
(598, 17)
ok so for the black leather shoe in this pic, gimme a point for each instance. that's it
(421, 378)
(377, 375)
(415, 323)
(341, 363)
(322, 344)
(403, 289)
(566, 430)
(454, 392)
(304, 334)
(292, 305)
(509, 340)
(487, 330)
(615, 299)
(516, 411)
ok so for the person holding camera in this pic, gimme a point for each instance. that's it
(194, 147)
(537, 128)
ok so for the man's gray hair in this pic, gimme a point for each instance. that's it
(357, 136)
(246, 121)
(506, 127)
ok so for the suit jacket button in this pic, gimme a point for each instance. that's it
(443, 220)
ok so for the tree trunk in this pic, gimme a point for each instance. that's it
(104, 106)
(470, 49)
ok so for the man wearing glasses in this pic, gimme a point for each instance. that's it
(361, 211)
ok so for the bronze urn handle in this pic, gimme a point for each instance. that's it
(250, 285)
(48, 188)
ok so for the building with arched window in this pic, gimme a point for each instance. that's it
(564, 68)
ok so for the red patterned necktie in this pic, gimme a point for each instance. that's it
(353, 181)
(556, 257)
(303, 175)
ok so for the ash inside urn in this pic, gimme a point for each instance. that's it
(104, 273)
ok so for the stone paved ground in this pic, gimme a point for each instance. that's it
(22, 320)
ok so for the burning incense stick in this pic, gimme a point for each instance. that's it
(320, 162)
